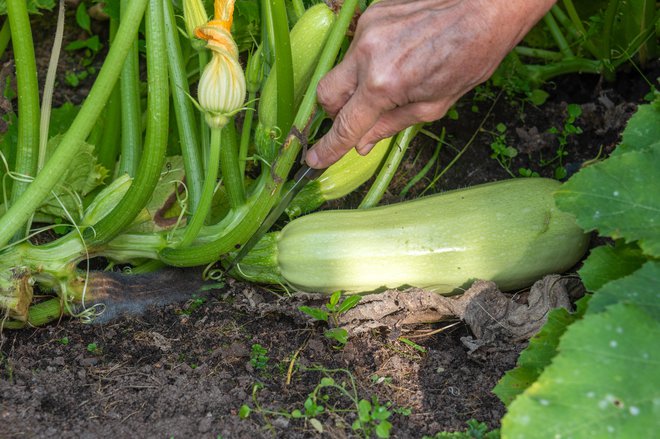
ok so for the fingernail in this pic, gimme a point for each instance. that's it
(364, 149)
(312, 158)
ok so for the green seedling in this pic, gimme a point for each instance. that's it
(333, 309)
(93, 348)
(475, 430)
(526, 172)
(63, 341)
(372, 418)
(258, 358)
(194, 304)
(567, 130)
(502, 152)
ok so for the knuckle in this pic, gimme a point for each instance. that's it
(342, 129)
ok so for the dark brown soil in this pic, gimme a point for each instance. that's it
(185, 370)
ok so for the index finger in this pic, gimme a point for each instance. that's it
(353, 121)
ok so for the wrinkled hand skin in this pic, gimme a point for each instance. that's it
(410, 61)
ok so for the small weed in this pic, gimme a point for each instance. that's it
(500, 150)
(333, 309)
(377, 379)
(371, 416)
(526, 172)
(475, 430)
(93, 348)
(567, 130)
(194, 304)
(65, 341)
(258, 358)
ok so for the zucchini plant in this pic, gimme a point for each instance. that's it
(139, 184)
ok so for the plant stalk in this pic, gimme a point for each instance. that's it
(183, 109)
(27, 152)
(131, 111)
(242, 222)
(384, 177)
(153, 156)
(283, 66)
(82, 125)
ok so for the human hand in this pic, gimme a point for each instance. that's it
(410, 61)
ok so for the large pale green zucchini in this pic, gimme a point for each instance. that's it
(509, 232)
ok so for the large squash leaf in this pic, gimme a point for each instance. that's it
(540, 352)
(641, 288)
(619, 198)
(607, 263)
(604, 382)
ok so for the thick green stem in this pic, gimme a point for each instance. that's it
(155, 148)
(246, 133)
(5, 36)
(531, 52)
(298, 9)
(204, 132)
(578, 27)
(27, 152)
(557, 34)
(242, 222)
(210, 180)
(384, 177)
(34, 195)
(283, 66)
(232, 179)
(539, 74)
(107, 145)
(185, 117)
(131, 113)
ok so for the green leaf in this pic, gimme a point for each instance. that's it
(607, 263)
(161, 213)
(364, 411)
(340, 335)
(540, 352)
(383, 429)
(604, 382)
(642, 130)
(616, 197)
(82, 18)
(640, 288)
(244, 411)
(315, 313)
(81, 177)
(348, 303)
(334, 300)
(33, 6)
(61, 118)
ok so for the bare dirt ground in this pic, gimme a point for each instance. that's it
(186, 369)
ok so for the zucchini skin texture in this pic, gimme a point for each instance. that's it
(509, 232)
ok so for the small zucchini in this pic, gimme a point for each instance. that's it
(307, 38)
(509, 232)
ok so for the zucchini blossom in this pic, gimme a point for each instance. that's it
(221, 90)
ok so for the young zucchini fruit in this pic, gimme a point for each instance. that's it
(340, 179)
(509, 232)
(307, 38)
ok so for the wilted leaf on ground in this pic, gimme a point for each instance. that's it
(619, 198)
(607, 263)
(603, 382)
